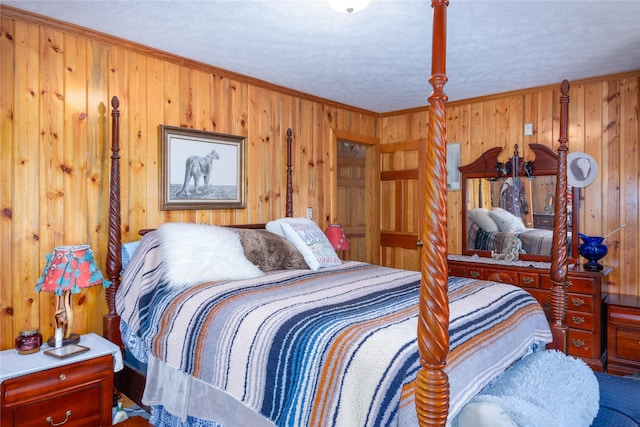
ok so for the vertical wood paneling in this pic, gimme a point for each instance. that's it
(25, 175)
(611, 172)
(155, 116)
(7, 129)
(75, 157)
(171, 104)
(136, 142)
(629, 271)
(97, 170)
(591, 216)
(51, 182)
(54, 100)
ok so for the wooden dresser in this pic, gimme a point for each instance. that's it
(585, 307)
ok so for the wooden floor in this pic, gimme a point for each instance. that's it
(134, 422)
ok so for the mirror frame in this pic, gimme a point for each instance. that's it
(544, 164)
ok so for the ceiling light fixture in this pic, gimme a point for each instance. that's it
(349, 6)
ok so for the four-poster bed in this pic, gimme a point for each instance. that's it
(430, 391)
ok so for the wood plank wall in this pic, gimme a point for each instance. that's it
(603, 116)
(56, 84)
(56, 81)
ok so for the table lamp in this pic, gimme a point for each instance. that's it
(68, 269)
(337, 238)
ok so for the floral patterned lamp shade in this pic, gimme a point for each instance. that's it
(69, 269)
(336, 236)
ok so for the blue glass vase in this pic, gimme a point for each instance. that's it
(593, 250)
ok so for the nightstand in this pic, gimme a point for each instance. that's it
(40, 390)
(623, 334)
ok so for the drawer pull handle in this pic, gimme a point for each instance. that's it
(577, 343)
(475, 274)
(50, 419)
(578, 320)
(62, 377)
(527, 280)
(577, 301)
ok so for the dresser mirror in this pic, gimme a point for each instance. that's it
(512, 204)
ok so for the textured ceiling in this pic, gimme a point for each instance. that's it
(378, 59)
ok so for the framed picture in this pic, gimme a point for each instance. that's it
(453, 163)
(201, 170)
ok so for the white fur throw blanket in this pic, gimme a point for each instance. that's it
(546, 388)
(198, 253)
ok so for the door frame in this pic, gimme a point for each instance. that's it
(372, 187)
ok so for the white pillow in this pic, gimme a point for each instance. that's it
(307, 237)
(127, 252)
(482, 217)
(198, 253)
(507, 222)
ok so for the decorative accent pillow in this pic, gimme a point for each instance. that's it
(270, 251)
(198, 253)
(127, 251)
(482, 217)
(307, 237)
(507, 222)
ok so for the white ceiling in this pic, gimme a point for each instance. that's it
(378, 59)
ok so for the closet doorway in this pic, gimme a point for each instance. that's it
(357, 188)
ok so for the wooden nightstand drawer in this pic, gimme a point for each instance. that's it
(628, 344)
(80, 407)
(35, 385)
(623, 334)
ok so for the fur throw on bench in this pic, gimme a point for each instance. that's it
(546, 388)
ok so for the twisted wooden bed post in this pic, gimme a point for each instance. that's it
(289, 212)
(432, 384)
(111, 321)
(558, 272)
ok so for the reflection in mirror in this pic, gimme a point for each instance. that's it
(516, 208)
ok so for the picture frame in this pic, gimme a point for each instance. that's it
(453, 164)
(201, 170)
(66, 351)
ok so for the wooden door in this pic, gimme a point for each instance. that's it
(357, 183)
(401, 184)
(352, 189)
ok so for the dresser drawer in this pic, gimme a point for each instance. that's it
(580, 285)
(456, 270)
(581, 343)
(508, 277)
(529, 280)
(580, 302)
(579, 320)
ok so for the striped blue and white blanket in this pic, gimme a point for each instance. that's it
(336, 347)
